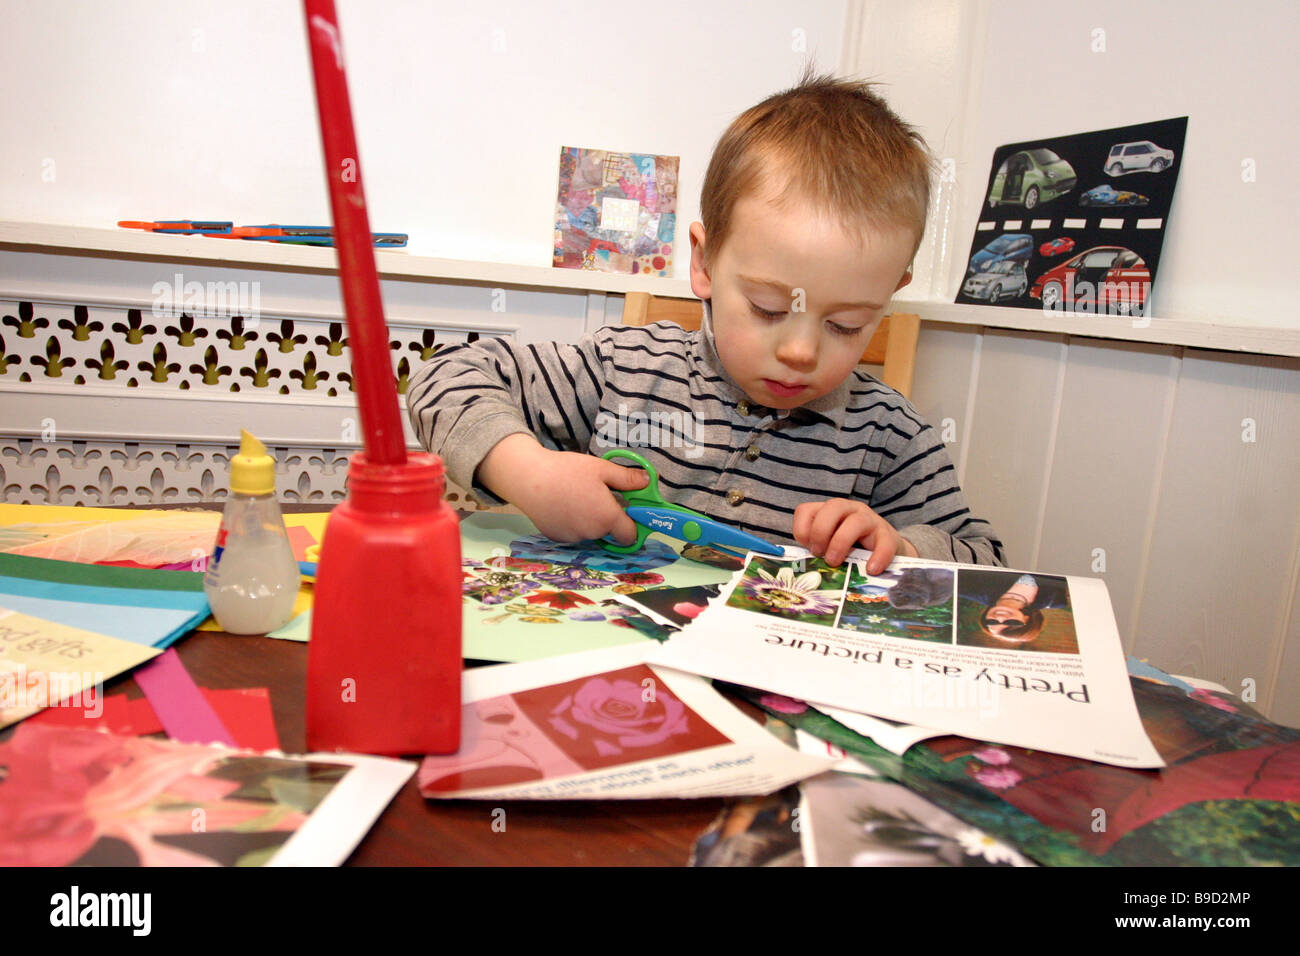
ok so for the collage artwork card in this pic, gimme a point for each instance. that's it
(616, 212)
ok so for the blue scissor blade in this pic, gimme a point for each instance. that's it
(720, 536)
(711, 533)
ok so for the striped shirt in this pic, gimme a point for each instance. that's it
(662, 391)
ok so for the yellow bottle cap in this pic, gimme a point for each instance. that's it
(252, 471)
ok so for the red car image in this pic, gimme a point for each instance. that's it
(1056, 247)
(1108, 279)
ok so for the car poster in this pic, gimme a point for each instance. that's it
(1074, 224)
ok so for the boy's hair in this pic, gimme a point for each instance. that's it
(836, 143)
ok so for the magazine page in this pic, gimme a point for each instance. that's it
(1033, 660)
(603, 724)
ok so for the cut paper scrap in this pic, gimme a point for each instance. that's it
(85, 798)
(245, 712)
(44, 663)
(147, 607)
(298, 628)
(186, 714)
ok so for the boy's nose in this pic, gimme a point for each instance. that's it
(798, 349)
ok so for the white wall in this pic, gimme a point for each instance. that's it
(154, 110)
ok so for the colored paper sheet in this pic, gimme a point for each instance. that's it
(119, 715)
(147, 607)
(125, 538)
(527, 597)
(246, 713)
(84, 798)
(185, 713)
(47, 664)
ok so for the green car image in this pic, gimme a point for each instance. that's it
(1031, 176)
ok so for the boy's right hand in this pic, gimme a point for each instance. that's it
(566, 494)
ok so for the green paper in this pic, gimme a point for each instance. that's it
(508, 615)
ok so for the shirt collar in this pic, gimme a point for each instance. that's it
(829, 408)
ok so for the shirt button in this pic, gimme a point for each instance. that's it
(735, 496)
(743, 407)
(751, 453)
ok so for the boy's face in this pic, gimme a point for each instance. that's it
(796, 297)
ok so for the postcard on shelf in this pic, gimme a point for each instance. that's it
(603, 724)
(86, 798)
(1033, 660)
(616, 212)
(47, 664)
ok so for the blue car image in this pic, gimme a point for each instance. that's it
(1104, 195)
(1016, 246)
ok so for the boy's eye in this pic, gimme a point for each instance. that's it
(764, 313)
(844, 329)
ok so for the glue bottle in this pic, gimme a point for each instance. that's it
(252, 579)
(384, 661)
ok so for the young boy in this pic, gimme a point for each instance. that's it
(813, 205)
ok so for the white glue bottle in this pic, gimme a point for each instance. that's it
(252, 578)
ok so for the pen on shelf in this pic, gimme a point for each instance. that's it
(271, 232)
(193, 227)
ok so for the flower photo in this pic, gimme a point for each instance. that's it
(806, 590)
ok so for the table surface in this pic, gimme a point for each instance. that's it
(413, 831)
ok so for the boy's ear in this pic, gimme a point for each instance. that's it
(701, 283)
(907, 277)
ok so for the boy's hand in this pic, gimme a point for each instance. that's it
(566, 494)
(830, 529)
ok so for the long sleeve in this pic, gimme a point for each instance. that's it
(919, 495)
(469, 397)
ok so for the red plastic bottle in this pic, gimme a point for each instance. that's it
(384, 663)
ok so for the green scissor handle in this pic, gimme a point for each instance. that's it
(648, 496)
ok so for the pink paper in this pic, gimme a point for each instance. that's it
(185, 713)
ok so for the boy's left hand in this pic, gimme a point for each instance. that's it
(831, 529)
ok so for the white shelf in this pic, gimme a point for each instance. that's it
(392, 264)
(132, 244)
(1194, 333)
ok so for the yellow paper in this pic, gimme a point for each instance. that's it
(44, 664)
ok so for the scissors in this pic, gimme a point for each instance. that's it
(651, 513)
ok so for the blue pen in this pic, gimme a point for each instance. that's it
(651, 513)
